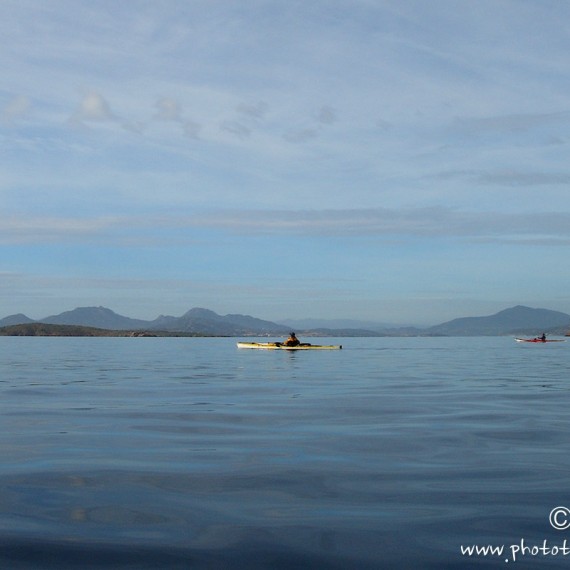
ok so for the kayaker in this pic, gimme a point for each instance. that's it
(543, 337)
(292, 340)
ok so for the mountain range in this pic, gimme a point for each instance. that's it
(197, 320)
(516, 320)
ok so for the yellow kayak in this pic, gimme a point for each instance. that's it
(281, 346)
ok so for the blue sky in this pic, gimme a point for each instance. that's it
(401, 161)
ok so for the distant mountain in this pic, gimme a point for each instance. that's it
(517, 319)
(18, 319)
(98, 317)
(208, 322)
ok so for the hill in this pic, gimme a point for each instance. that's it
(44, 329)
(519, 319)
(98, 317)
(18, 319)
(209, 322)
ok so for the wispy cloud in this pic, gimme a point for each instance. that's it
(93, 107)
(168, 110)
(30, 230)
(539, 228)
(326, 116)
(235, 128)
(507, 177)
(17, 108)
(515, 123)
(256, 111)
(191, 129)
(301, 135)
(171, 110)
(434, 222)
(513, 178)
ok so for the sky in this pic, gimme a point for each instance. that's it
(399, 161)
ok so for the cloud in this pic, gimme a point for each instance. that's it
(383, 125)
(412, 222)
(538, 227)
(514, 123)
(512, 178)
(326, 116)
(300, 135)
(250, 116)
(191, 129)
(168, 110)
(171, 110)
(237, 129)
(16, 109)
(256, 111)
(93, 107)
(27, 230)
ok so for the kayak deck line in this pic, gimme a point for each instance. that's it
(281, 346)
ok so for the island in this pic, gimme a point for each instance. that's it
(44, 329)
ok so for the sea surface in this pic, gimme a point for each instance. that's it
(183, 453)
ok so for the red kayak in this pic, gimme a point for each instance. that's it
(538, 340)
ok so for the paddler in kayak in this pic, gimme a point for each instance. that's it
(543, 337)
(292, 340)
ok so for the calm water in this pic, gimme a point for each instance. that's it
(189, 453)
